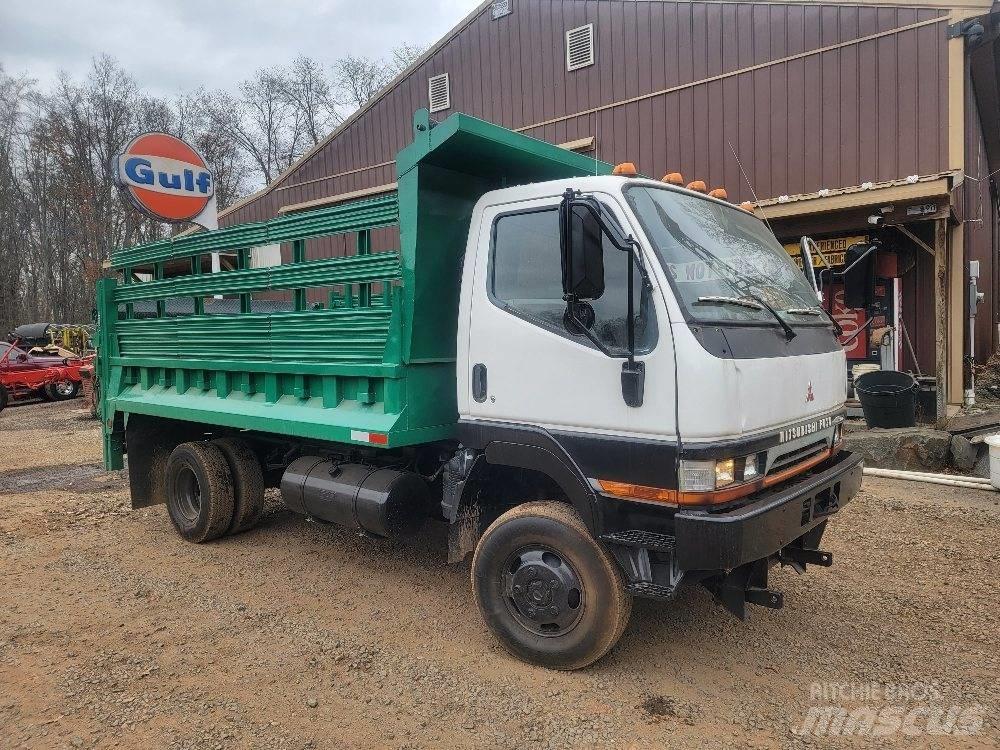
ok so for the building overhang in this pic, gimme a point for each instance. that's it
(859, 197)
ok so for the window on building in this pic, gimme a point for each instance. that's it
(439, 92)
(526, 279)
(580, 47)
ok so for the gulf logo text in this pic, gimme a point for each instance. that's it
(163, 175)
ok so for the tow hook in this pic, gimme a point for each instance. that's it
(747, 583)
(797, 558)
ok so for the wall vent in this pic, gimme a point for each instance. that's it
(500, 8)
(439, 92)
(580, 47)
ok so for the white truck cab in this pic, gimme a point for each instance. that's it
(700, 443)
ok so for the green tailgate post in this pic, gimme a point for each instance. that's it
(374, 363)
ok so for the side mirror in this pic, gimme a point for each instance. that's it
(859, 276)
(581, 248)
(582, 231)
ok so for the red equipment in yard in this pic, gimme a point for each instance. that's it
(23, 375)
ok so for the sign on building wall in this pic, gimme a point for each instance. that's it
(834, 250)
(168, 180)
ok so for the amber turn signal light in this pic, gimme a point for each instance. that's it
(625, 169)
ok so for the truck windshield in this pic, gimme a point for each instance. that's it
(723, 263)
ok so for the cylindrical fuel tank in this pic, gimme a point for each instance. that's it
(386, 502)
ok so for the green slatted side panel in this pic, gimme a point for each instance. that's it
(354, 216)
(312, 273)
(349, 335)
(317, 336)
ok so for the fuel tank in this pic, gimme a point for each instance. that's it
(384, 502)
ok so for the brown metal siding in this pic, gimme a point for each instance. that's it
(980, 229)
(868, 111)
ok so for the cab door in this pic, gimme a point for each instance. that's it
(527, 366)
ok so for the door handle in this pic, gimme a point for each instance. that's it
(479, 382)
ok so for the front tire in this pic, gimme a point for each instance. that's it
(547, 589)
(199, 492)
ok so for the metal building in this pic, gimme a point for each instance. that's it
(836, 111)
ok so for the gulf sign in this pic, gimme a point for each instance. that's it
(164, 177)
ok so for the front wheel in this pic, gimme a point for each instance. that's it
(547, 589)
(62, 390)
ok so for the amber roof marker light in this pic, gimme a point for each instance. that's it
(673, 178)
(625, 169)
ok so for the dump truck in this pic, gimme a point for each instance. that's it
(606, 385)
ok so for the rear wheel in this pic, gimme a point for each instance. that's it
(547, 589)
(199, 491)
(248, 483)
(62, 390)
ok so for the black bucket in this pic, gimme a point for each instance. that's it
(888, 398)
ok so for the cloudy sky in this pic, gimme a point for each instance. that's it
(175, 45)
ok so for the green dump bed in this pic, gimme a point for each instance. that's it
(374, 363)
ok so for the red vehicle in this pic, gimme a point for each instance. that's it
(23, 375)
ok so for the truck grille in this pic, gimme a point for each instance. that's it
(797, 455)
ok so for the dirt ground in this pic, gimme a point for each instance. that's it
(115, 633)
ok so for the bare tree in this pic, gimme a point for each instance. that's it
(358, 79)
(193, 121)
(262, 123)
(307, 90)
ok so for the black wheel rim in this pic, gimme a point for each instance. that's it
(188, 494)
(542, 591)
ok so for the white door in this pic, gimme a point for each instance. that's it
(535, 370)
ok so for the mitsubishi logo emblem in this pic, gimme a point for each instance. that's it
(809, 393)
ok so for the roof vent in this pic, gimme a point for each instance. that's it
(580, 47)
(439, 92)
(500, 8)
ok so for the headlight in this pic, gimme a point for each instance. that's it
(725, 472)
(706, 476)
(697, 476)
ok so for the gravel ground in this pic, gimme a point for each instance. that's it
(115, 633)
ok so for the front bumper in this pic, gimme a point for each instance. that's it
(708, 541)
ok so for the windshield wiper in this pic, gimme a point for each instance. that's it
(714, 299)
(817, 312)
(789, 333)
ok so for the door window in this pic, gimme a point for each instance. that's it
(526, 280)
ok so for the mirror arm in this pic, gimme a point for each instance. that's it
(630, 322)
(596, 341)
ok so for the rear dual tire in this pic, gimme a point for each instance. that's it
(213, 488)
(549, 592)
